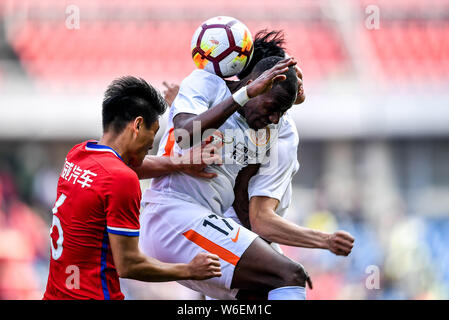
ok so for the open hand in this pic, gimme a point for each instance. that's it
(170, 92)
(266, 80)
(200, 156)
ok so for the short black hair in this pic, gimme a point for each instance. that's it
(286, 90)
(266, 44)
(127, 98)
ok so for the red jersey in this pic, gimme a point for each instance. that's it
(97, 194)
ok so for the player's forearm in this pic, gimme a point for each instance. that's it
(274, 228)
(156, 166)
(213, 118)
(148, 269)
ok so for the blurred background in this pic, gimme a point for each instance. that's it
(374, 130)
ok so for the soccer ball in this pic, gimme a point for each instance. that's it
(223, 46)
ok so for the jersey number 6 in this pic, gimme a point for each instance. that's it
(57, 252)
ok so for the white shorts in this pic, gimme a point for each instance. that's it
(175, 231)
(230, 213)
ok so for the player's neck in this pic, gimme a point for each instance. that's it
(233, 86)
(116, 142)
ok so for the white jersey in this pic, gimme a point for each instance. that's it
(276, 182)
(198, 92)
(180, 216)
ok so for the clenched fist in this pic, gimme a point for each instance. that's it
(204, 266)
(340, 243)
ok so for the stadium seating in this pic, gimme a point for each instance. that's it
(154, 50)
(412, 50)
(152, 40)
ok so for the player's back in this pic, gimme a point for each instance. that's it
(81, 264)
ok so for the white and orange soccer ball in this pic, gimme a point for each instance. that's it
(223, 46)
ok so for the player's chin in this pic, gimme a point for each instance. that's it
(257, 125)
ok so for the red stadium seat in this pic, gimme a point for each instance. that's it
(411, 50)
(158, 48)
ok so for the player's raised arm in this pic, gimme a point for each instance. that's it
(214, 117)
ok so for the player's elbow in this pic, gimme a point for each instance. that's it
(127, 266)
(184, 136)
(124, 271)
(132, 265)
(183, 130)
(260, 228)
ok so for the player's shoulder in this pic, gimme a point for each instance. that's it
(204, 75)
(108, 159)
(199, 76)
(200, 86)
(287, 127)
(288, 120)
(120, 177)
(77, 148)
(118, 170)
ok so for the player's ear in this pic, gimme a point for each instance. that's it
(137, 124)
(249, 81)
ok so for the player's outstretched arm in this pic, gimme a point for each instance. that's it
(193, 163)
(214, 117)
(266, 223)
(131, 263)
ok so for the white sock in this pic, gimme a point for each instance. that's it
(287, 293)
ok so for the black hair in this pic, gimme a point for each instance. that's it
(127, 98)
(266, 44)
(289, 87)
